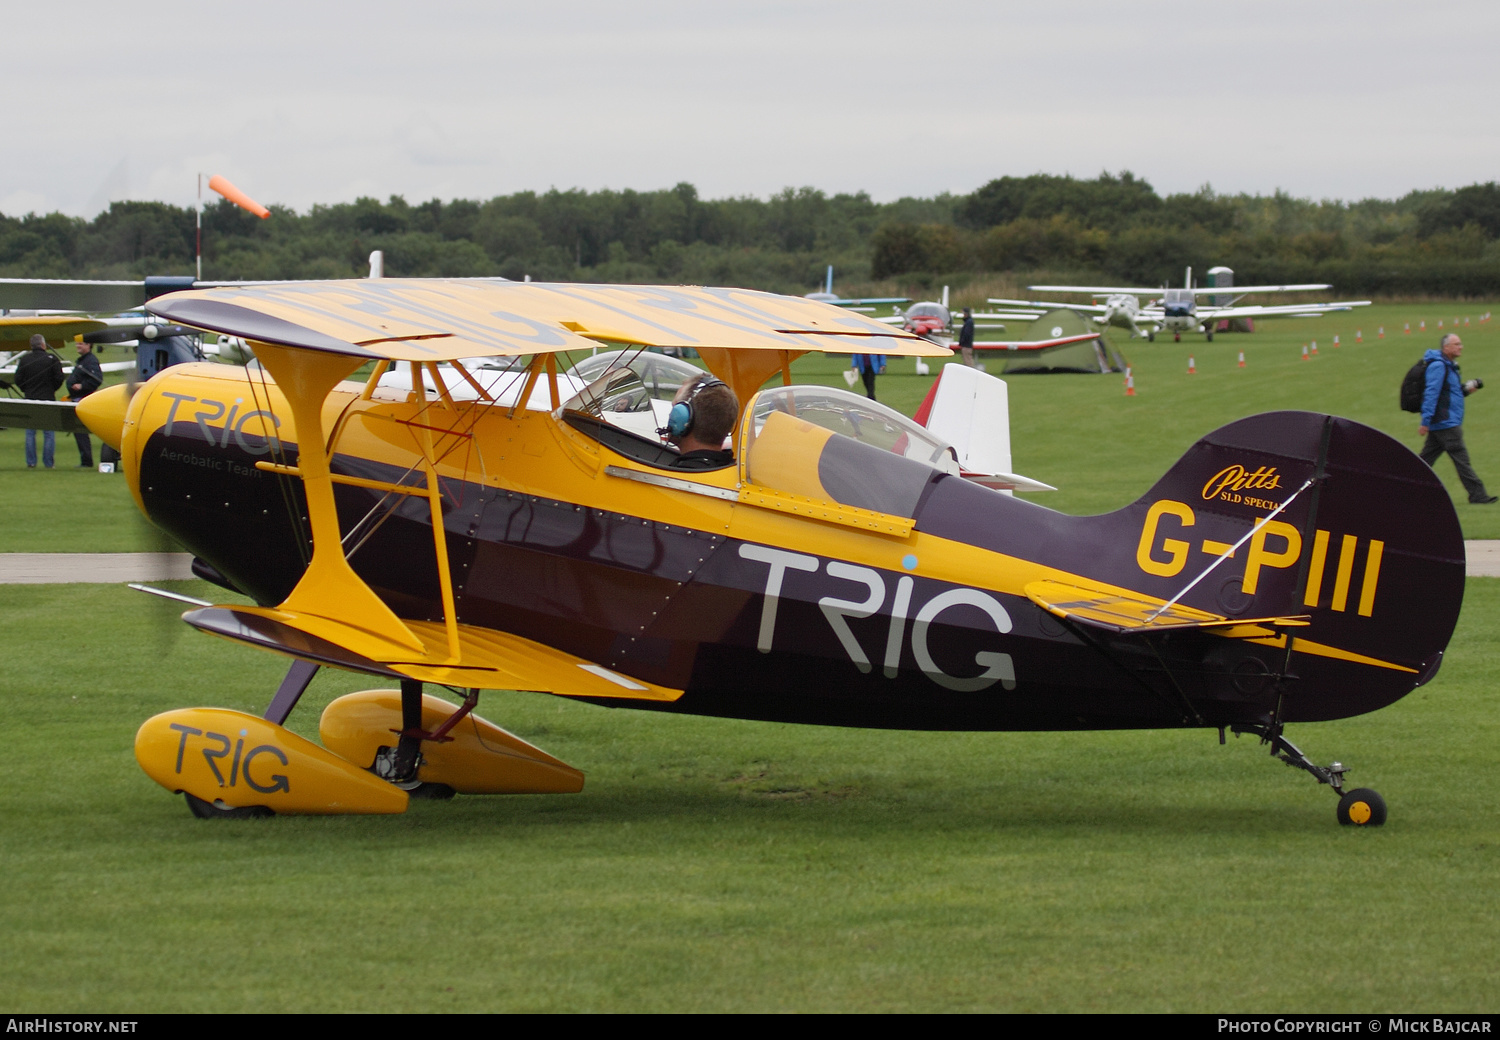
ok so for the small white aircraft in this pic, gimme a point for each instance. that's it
(865, 305)
(1177, 310)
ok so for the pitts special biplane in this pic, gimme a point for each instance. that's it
(1292, 567)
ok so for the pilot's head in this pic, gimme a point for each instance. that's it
(703, 412)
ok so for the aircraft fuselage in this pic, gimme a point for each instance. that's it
(806, 612)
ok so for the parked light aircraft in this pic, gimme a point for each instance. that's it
(1177, 310)
(1292, 567)
(933, 321)
(865, 305)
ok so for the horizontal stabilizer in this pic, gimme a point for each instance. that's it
(1133, 613)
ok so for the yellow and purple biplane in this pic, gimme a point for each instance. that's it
(467, 516)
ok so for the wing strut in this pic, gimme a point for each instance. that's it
(329, 589)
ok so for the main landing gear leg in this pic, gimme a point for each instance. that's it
(399, 765)
(1360, 807)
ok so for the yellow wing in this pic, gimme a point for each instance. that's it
(446, 319)
(18, 329)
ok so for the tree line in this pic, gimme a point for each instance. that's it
(1112, 228)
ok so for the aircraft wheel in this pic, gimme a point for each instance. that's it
(1151, 337)
(429, 792)
(212, 811)
(1362, 807)
(1210, 335)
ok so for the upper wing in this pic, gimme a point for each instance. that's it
(1310, 310)
(1097, 290)
(444, 320)
(20, 329)
(1089, 308)
(1241, 290)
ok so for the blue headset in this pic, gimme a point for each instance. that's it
(680, 418)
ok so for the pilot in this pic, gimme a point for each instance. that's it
(703, 412)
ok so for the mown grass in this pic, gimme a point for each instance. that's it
(721, 865)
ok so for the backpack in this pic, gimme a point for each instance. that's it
(1414, 388)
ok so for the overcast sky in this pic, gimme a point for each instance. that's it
(318, 102)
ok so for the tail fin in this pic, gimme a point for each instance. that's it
(1370, 548)
(971, 411)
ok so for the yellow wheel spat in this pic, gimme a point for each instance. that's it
(1359, 813)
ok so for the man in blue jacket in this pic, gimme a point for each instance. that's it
(1443, 415)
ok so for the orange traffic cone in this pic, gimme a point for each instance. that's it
(1382, 332)
(1335, 343)
(1359, 336)
(1408, 328)
(1129, 384)
(1315, 348)
(1304, 352)
(1242, 359)
(1466, 321)
(1440, 323)
(1191, 367)
(1422, 325)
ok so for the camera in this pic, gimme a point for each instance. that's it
(1472, 385)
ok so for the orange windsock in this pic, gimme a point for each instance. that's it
(239, 198)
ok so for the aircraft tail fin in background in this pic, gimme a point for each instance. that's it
(971, 411)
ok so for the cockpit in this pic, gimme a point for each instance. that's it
(1178, 303)
(814, 443)
(830, 445)
(929, 312)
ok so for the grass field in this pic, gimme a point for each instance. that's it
(720, 865)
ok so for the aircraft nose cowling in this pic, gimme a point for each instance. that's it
(103, 413)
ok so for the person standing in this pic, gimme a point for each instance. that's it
(1443, 415)
(39, 374)
(869, 366)
(87, 376)
(966, 337)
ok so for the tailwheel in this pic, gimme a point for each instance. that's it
(1361, 807)
(217, 810)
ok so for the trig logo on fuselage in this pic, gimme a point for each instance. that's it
(870, 597)
(259, 439)
(216, 747)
